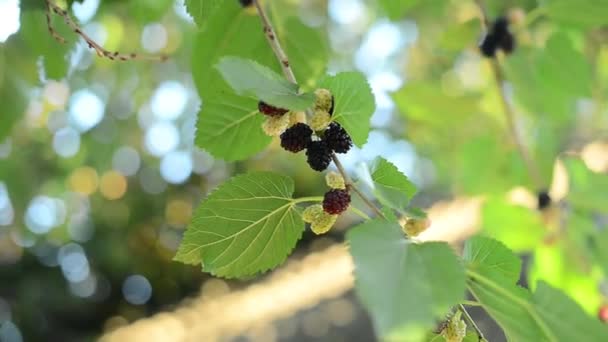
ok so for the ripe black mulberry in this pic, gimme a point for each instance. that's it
(336, 201)
(337, 139)
(296, 138)
(543, 200)
(318, 155)
(270, 110)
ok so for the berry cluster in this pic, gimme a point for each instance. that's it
(498, 37)
(299, 136)
(323, 216)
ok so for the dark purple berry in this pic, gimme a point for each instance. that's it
(500, 26)
(543, 200)
(246, 3)
(488, 45)
(337, 139)
(318, 155)
(296, 138)
(507, 43)
(336, 201)
(270, 110)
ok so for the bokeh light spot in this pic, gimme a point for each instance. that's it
(9, 18)
(73, 262)
(66, 142)
(161, 138)
(113, 185)
(154, 37)
(169, 100)
(44, 213)
(126, 160)
(137, 289)
(83, 180)
(86, 109)
(176, 167)
(178, 212)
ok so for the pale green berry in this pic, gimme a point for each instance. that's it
(455, 330)
(296, 117)
(320, 120)
(312, 213)
(323, 99)
(335, 180)
(323, 223)
(414, 226)
(275, 125)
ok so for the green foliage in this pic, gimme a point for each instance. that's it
(12, 98)
(520, 228)
(391, 187)
(249, 78)
(354, 103)
(200, 10)
(395, 9)
(406, 298)
(458, 36)
(226, 117)
(308, 51)
(247, 226)
(587, 189)
(54, 54)
(548, 314)
(582, 13)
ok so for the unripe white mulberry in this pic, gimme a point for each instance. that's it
(320, 120)
(275, 125)
(323, 100)
(335, 180)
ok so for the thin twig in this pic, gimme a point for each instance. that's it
(471, 322)
(289, 75)
(51, 8)
(509, 112)
(350, 185)
(273, 40)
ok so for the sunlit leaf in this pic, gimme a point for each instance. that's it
(520, 228)
(422, 283)
(226, 117)
(249, 78)
(354, 103)
(548, 315)
(200, 10)
(246, 226)
(587, 189)
(391, 187)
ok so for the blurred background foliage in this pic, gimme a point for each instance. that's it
(99, 172)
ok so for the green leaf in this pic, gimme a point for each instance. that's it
(520, 228)
(231, 128)
(391, 187)
(598, 245)
(587, 189)
(548, 315)
(491, 256)
(308, 51)
(226, 117)
(249, 78)
(584, 13)
(35, 34)
(458, 36)
(354, 103)
(12, 98)
(395, 9)
(405, 286)
(246, 226)
(200, 10)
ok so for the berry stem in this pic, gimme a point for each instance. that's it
(359, 212)
(471, 322)
(509, 112)
(308, 199)
(350, 185)
(274, 43)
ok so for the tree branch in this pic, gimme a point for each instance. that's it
(51, 7)
(289, 75)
